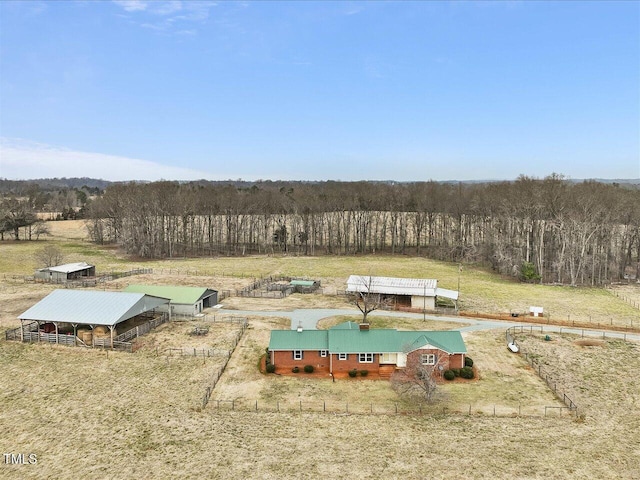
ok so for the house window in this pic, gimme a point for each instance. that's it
(323, 353)
(297, 354)
(365, 357)
(342, 356)
(428, 359)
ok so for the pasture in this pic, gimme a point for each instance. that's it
(102, 414)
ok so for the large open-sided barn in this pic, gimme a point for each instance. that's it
(351, 346)
(415, 293)
(183, 300)
(85, 317)
(66, 272)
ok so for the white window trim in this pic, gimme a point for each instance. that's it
(323, 353)
(297, 354)
(430, 359)
(365, 355)
(343, 356)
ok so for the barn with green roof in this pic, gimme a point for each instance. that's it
(183, 300)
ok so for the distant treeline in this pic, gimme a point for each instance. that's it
(549, 230)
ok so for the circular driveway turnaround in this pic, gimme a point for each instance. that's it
(308, 319)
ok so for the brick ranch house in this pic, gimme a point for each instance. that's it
(351, 346)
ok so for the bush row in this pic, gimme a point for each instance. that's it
(464, 372)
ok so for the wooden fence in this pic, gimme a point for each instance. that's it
(142, 329)
(218, 373)
(14, 333)
(535, 363)
(60, 339)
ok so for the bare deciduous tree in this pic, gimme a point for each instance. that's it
(366, 298)
(49, 256)
(419, 377)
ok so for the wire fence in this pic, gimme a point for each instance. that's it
(384, 409)
(194, 352)
(631, 301)
(218, 373)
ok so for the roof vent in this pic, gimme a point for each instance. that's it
(364, 326)
(299, 329)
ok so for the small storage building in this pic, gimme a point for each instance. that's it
(304, 286)
(183, 300)
(66, 272)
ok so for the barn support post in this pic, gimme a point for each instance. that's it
(93, 337)
(75, 334)
(38, 332)
(57, 337)
(22, 330)
(111, 327)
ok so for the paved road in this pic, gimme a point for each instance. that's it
(309, 318)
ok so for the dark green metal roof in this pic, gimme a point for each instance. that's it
(294, 340)
(348, 338)
(302, 283)
(346, 326)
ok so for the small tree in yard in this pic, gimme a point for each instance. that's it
(419, 376)
(366, 299)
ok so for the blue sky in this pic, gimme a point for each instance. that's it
(126, 90)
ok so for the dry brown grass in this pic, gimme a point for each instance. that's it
(133, 416)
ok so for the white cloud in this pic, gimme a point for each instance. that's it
(132, 5)
(21, 160)
(163, 16)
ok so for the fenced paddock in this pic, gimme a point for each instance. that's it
(30, 334)
(535, 362)
(84, 282)
(218, 373)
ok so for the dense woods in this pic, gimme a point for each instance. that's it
(548, 230)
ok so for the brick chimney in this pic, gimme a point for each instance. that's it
(364, 326)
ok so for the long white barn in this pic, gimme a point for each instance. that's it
(419, 293)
